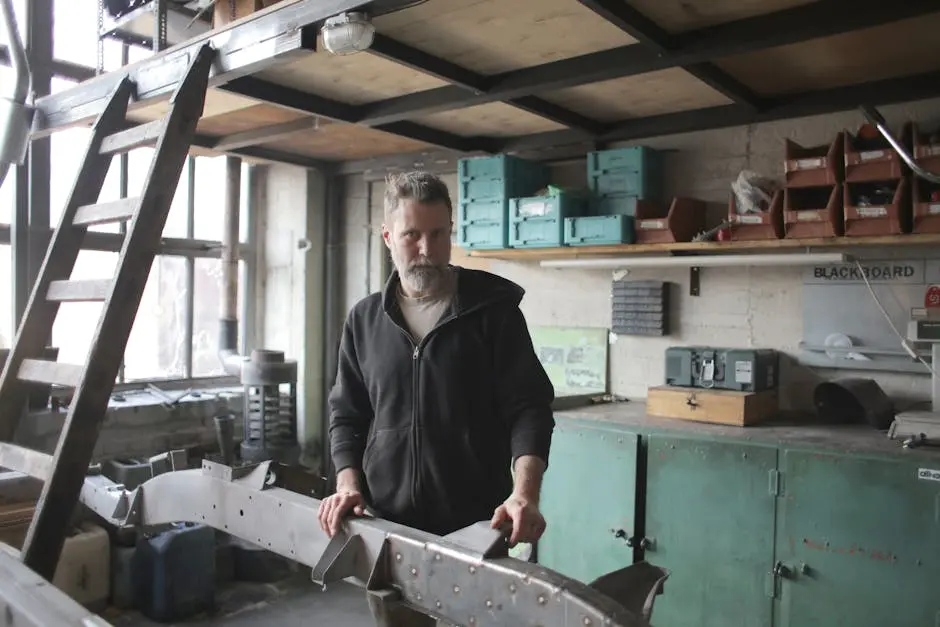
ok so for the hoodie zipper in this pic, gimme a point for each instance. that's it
(415, 389)
(415, 400)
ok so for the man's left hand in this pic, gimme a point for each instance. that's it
(528, 525)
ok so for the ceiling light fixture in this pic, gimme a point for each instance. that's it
(348, 33)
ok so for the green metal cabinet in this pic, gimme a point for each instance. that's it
(858, 541)
(588, 500)
(710, 509)
(759, 533)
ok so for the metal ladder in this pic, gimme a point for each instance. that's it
(64, 471)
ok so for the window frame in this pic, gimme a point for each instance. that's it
(29, 230)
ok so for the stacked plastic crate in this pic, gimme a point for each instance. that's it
(812, 196)
(617, 179)
(926, 194)
(877, 186)
(486, 185)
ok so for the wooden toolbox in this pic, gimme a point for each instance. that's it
(727, 407)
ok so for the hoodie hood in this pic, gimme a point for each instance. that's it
(475, 289)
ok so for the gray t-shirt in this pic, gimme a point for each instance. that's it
(422, 313)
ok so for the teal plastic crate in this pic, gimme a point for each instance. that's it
(483, 211)
(485, 187)
(560, 204)
(636, 171)
(537, 233)
(499, 177)
(482, 235)
(613, 205)
(599, 230)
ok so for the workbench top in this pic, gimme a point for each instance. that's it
(801, 433)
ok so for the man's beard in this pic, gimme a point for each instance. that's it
(421, 275)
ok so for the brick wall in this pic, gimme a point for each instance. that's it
(754, 307)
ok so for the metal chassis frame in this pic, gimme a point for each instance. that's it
(28, 599)
(466, 578)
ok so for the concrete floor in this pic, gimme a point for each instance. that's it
(295, 602)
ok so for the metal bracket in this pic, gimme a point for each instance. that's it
(342, 559)
(694, 275)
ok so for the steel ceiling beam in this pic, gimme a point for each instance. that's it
(263, 153)
(246, 47)
(650, 34)
(297, 100)
(819, 102)
(811, 21)
(265, 134)
(475, 83)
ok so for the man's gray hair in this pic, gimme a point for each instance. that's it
(420, 186)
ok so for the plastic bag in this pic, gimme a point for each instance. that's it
(752, 192)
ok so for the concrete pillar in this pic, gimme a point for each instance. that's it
(291, 295)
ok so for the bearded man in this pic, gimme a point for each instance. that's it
(441, 415)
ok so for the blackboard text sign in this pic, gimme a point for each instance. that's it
(894, 271)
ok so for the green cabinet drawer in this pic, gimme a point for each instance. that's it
(588, 500)
(858, 541)
(710, 521)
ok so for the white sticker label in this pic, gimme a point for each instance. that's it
(808, 215)
(872, 212)
(928, 151)
(750, 220)
(806, 164)
(870, 155)
(743, 372)
(928, 474)
(533, 209)
(933, 209)
(651, 224)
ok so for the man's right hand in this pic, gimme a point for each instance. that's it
(336, 506)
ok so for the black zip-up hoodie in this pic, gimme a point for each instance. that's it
(435, 427)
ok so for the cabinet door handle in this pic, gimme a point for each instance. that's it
(780, 570)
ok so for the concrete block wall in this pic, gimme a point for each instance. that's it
(746, 307)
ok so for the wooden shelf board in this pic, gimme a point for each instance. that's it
(575, 252)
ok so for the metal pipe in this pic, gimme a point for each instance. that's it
(15, 117)
(228, 323)
(332, 319)
(21, 73)
(700, 261)
(879, 123)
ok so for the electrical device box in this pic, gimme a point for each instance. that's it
(745, 370)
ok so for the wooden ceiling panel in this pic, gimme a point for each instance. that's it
(355, 78)
(249, 119)
(218, 102)
(492, 36)
(496, 119)
(666, 91)
(679, 16)
(346, 141)
(898, 49)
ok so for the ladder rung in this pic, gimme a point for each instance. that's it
(133, 137)
(25, 460)
(102, 213)
(79, 291)
(51, 372)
